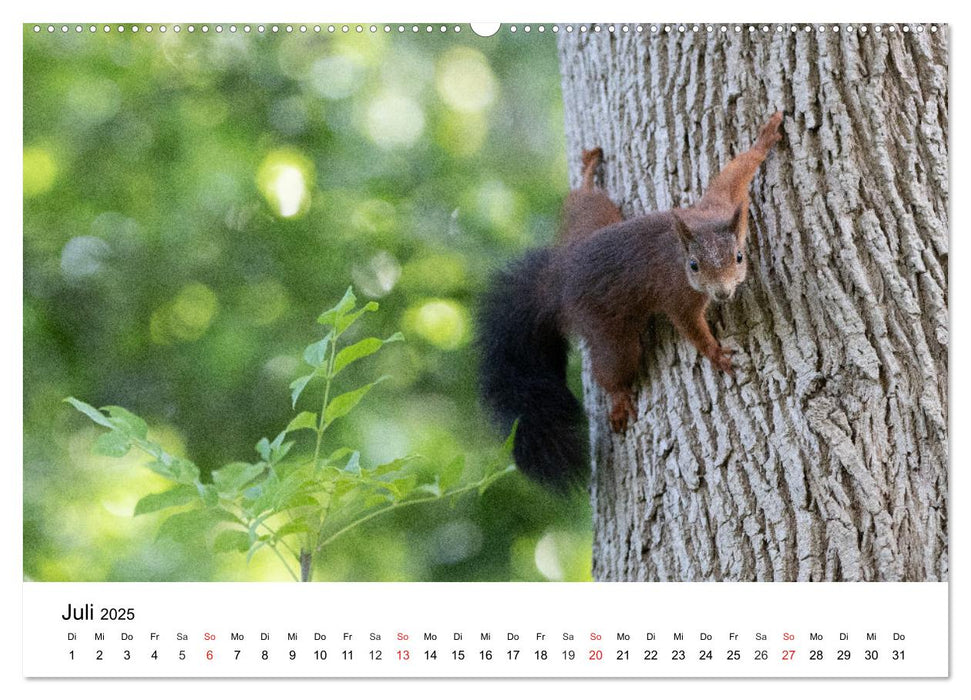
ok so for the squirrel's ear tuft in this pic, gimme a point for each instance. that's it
(736, 224)
(684, 233)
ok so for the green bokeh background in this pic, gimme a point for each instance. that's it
(193, 201)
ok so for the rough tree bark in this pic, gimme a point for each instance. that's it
(825, 456)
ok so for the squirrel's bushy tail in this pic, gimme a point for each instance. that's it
(523, 356)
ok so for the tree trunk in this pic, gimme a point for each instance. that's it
(825, 456)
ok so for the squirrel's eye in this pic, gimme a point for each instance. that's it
(738, 258)
(693, 264)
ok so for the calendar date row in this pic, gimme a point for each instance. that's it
(485, 655)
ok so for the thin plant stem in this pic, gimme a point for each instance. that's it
(284, 562)
(323, 408)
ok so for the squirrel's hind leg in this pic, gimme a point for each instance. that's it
(615, 360)
(591, 160)
(589, 208)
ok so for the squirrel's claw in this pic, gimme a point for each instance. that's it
(722, 359)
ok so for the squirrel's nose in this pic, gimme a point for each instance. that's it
(723, 295)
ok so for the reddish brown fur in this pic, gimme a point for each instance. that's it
(608, 275)
(589, 208)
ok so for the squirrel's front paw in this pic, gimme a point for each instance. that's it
(622, 410)
(722, 359)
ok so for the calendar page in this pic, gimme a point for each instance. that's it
(520, 350)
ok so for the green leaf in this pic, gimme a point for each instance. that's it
(302, 421)
(401, 485)
(231, 541)
(451, 473)
(298, 500)
(297, 385)
(345, 403)
(378, 499)
(292, 528)
(279, 492)
(90, 411)
(193, 525)
(177, 496)
(332, 315)
(393, 466)
(315, 353)
(113, 444)
(345, 322)
(231, 478)
(338, 454)
(127, 422)
(361, 349)
(510, 442)
(175, 468)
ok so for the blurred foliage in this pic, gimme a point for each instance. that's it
(297, 506)
(191, 202)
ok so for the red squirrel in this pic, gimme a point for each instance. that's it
(602, 281)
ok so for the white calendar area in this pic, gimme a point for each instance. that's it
(485, 629)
